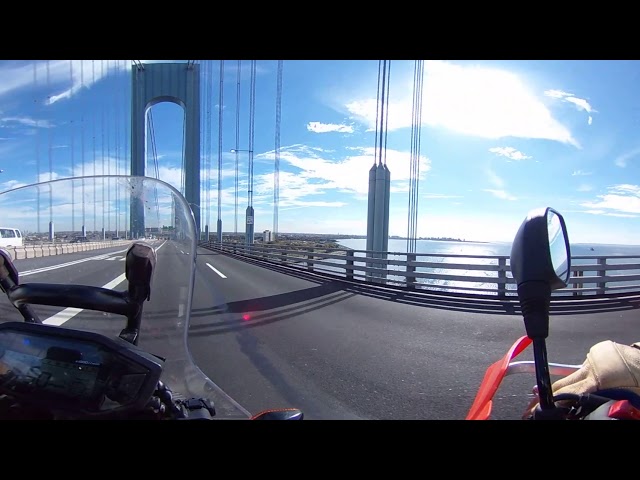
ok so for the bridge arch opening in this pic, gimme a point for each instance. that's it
(164, 85)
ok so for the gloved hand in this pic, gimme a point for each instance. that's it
(608, 365)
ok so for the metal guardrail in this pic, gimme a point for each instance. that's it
(480, 274)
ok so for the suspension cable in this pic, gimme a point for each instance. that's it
(414, 175)
(126, 120)
(375, 147)
(220, 119)
(208, 88)
(237, 144)
(252, 111)
(102, 137)
(38, 135)
(50, 147)
(117, 146)
(276, 173)
(73, 173)
(82, 159)
(108, 156)
(95, 160)
(154, 153)
(386, 120)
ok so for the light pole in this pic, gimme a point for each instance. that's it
(250, 222)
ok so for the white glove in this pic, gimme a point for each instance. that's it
(609, 365)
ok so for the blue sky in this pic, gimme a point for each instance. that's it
(498, 139)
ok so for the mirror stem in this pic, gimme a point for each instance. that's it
(543, 377)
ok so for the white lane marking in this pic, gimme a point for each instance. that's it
(68, 313)
(216, 270)
(68, 264)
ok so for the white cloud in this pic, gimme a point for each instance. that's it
(494, 178)
(510, 153)
(621, 200)
(316, 174)
(472, 100)
(580, 103)
(11, 184)
(623, 159)
(585, 188)
(29, 122)
(501, 194)
(318, 127)
(580, 173)
(63, 77)
(609, 214)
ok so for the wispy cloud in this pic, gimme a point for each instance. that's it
(471, 100)
(501, 194)
(494, 178)
(313, 173)
(610, 214)
(509, 152)
(623, 159)
(580, 103)
(585, 188)
(319, 127)
(499, 191)
(621, 200)
(10, 184)
(577, 173)
(29, 122)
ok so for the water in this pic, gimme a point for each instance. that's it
(460, 249)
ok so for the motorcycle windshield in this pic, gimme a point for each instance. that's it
(76, 231)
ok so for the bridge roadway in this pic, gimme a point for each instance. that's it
(337, 350)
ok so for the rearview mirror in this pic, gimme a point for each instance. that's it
(540, 263)
(540, 250)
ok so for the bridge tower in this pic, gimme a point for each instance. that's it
(153, 83)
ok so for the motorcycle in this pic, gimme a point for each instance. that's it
(541, 263)
(64, 353)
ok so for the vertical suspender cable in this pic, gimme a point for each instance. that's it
(73, 167)
(37, 112)
(237, 144)
(276, 167)
(102, 137)
(252, 110)
(220, 119)
(50, 149)
(82, 145)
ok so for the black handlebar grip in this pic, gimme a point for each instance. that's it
(139, 268)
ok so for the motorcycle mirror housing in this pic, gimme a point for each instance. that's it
(540, 263)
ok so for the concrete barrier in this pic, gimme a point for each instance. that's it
(36, 251)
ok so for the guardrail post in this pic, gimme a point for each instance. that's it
(602, 273)
(502, 277)
(310, 261)
(411, 269)
(578, 284)
(349, 271)
(283, 254)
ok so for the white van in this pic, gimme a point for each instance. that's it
(10, 237)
